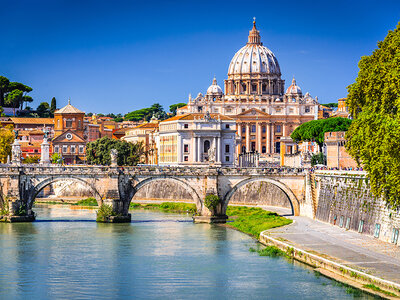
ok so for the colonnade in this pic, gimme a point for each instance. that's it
(273, 87)
(270, 135)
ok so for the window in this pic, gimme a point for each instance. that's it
(263, 110)
(186, 158)
(58, 123)
(254, 87)
(395, 235)
(227, 126)
(377, 230)
(186, 148)
(291, 110)
(264, 88)
(361, 226)
(243, 129)
(79, 124)
(206, 146)
(264, 129)
(36, 150)
(72, 149)
(341, 221)
(264, 149)
(227, 149)
(228, 110)
(185, 125)
(68, 123)
(253, 128)
(200, 109)
(64, 149)
(348, 223)
(80, 149)
(216, 110)
(278, 128)
(278, 110)
(56, 149)
(226, 158)
(243, 110)
(243, 149)
(307, 109)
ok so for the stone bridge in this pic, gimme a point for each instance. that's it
(20, 185)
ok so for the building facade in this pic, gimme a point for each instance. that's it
(197, 139)
(256, 99)
(336, 154)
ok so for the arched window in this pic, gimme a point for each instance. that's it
(206, 146)
(253, 128)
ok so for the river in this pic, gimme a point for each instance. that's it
(65, 254)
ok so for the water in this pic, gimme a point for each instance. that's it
(65, 254)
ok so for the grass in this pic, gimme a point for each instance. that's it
(167, 207)
(271, 251)
(254, 220)
(87, 202)
(378, 289)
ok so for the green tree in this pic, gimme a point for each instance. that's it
(332, 104)
(2, 112)
(14, 99)
(174, 107)
(314, 131)
(374, 103)
(53, 106)
(31, 159)
(56, 158)
(6, 139)
(23, 88)
(4, 82)
(43, 110)
(129, 154)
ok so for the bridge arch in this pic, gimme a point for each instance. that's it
(41, 185)
(182, 183)
(294, 202)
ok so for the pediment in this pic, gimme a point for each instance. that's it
(68, 137)
(253, 112)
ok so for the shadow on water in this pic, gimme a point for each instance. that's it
(91, 221)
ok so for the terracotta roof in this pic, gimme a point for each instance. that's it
(122, 130)
(197, 116)
(183, 107)
(69, 109)
(33, 121)
(146, 125)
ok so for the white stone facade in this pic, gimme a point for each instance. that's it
(197, 140)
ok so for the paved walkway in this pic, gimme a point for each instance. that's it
(350, 248)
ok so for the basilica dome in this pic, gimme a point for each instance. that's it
(214, 88)
(254, 57)
(293, 89)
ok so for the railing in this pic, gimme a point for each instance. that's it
(148, 170)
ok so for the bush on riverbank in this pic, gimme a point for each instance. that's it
(254, 220)
(271, 251)
(87, 202)
(167, 207)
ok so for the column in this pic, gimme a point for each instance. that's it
(199, 149)
(268, 139)
(272, 138)
(247, 137)
(259, 137)
(284, 129)
(195, 151)
(219, 149)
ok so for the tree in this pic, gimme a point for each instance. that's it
(6, 139)
(31, 159)
(314, 131)
(56, 158)
(43, 109)
(174, 107)
(145, 114)
(4, 82)
(2, 112)
(14, 99)
(53, 106)
(374, 103)
(333, 104)
(129, 154)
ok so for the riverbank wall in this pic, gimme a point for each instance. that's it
(344, 199)
(333, 269)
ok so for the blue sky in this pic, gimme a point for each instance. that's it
(118, 56)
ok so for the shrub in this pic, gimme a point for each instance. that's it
(211, 201)
(105, 211)
(87, 202)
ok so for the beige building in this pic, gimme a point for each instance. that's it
(336, 154)
(197, 139)
(146, 133)
(256, 99)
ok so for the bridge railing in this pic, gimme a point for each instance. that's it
(145, 170)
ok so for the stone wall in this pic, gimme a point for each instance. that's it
(163, 190)
(260, 193)
(345, 199)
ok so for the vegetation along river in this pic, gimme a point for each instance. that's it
(65, 254)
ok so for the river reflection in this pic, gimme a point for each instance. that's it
(67, 255)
